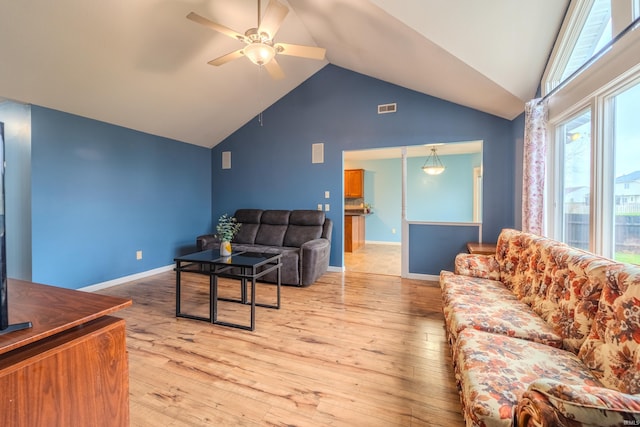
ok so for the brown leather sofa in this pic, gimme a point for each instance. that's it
(303, 237)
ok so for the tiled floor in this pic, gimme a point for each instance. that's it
(374, 258)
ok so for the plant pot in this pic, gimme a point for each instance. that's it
(225, 248)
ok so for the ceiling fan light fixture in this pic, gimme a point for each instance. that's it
(259, 53)
(433, 165)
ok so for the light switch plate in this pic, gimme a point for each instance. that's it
(326, 194)
(319, 206)
(326, 207)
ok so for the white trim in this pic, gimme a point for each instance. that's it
(125, 279)
(612, 74)
(461, 224)
(404, 225)
(334, 269)
(615, 66)
(565, 43)
(429, 277)
(376, 242)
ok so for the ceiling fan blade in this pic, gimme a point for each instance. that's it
(226, 58)
(274, 69)
(310, 52)
(273, 17)
(220, 28)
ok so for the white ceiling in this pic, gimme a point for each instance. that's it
(141, 64)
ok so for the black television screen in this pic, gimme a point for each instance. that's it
(4, 309)
(5, 327)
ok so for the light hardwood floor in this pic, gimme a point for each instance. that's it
(375, 258)
(352, 349)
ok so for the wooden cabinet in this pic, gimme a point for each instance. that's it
(354, 183)
(353, 232)
(71, 367)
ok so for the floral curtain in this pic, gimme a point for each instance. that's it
(534, 166)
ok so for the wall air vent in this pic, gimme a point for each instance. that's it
(387, 108)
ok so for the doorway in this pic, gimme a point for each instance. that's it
(399, 192)
(377, 214)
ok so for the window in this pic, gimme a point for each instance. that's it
(576, 179)
(589, 26)
(595, 33)
(626, 184)
(594, 177)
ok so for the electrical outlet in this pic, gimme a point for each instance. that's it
(138, 255)
(393, 231)
(326, 207)
(326, 194)
(319, 206)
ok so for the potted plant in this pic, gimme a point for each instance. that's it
(226, 229)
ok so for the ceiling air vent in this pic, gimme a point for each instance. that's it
(386, 108)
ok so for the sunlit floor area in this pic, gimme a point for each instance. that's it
(374, 258)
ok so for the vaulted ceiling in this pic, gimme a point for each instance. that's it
(141, 64)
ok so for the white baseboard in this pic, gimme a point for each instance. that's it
(137, 276)
(430, 277)
(375, 242)
(125, 279)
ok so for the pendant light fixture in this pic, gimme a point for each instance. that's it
(433, 165)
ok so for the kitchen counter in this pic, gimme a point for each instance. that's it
(353, 212)
(354, 229)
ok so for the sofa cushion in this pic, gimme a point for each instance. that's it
(250, 220)
(588, 405)
(273, 227)
(304, 225)
(536, 268)
(477, 265)
(612, 349)
(290, 269)
(493, 372)
(568, 299)
(487, 305)
(520, 256)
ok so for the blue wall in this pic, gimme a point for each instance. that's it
(447, 197)
(271, 164)
(446, 241)
(101, 192)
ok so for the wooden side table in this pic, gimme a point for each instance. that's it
(481, 248)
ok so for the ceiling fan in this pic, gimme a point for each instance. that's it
(260, 47)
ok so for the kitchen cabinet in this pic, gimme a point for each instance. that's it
(354, 183)
(353, 232)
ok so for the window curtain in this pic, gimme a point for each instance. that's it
(534, 166)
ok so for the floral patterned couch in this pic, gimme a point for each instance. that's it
(543, 334)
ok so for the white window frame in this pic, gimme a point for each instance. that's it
(602, 198)
(555, 173)
(622, 14)
(594, 89)
(565, 43)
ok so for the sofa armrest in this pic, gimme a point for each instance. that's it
(549, 402)
(207, 241)
(477, 265)
(314, 260)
